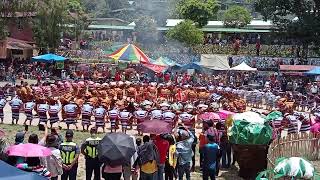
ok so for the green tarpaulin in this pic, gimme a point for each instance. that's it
(243, 132)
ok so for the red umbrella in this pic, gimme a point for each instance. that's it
(155, 127)
(28, 150)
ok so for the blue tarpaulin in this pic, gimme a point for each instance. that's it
(9, 172)
(314, 71)
(193, 65)
(48, 58)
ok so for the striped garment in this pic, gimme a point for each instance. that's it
(124, 117)
(293, 124)
(305, 123)
(86, 112)
(156, 114)
(15, 107)
(99, 116)
(141, 116)
(71, 113)
(187, 119)
(113, 116)
(53, 113)
(42, 110)
(2, 105)
(169, 117)
(28, 108)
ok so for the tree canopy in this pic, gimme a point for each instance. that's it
(199, 11)
(295, 19)
(236, 16)
(186, 33)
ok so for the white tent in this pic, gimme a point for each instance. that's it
(243, 67)
(215, 62)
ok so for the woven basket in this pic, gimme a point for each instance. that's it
(252, 159)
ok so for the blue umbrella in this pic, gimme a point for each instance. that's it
(48, 58)
(9, 172)
(314, 71)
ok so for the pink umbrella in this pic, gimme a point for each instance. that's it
(209, 116)
(155, 127)
(225, 114)
(28, 150)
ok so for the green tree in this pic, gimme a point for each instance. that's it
(199, 11)
(294, 19)
(146, 29)
(8, 11)
(185, 32)
(50, 23)
(236, 16)
(96, 8)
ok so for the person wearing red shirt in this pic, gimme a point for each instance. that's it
(117, 76)
(167, 77)
(163, 147)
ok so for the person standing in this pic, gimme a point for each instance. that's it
(124, 117)
(53, 162)
(42, 111)
(211, 154)
(100, 116)
(3, 103)
(15, 104)
(89, 150)
(54, 109)
(70, 154)
(171, 160)
(140, 115)
(185, 141)
(71, 110)
(28, 108)
(148, 160)
(86, 112)
(113, 117)
(163, 147)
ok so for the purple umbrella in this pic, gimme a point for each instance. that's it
(155, 127)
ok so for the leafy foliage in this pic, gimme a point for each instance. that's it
(185, 32)
(199, 11)
(295, 19)
(236, 16)
(51, 21)
(8, 11)
(146, 29)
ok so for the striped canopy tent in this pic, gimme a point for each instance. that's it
(165, 62)
(130, 53)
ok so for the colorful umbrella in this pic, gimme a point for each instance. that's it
(29, 150)
(130, 53)
(155, 127)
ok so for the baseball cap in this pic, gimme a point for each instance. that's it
(69, 133)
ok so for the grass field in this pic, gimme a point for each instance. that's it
(79, 137)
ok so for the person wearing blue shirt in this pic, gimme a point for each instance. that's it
(211, 154)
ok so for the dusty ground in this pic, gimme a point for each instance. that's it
(10, 130)
(79, 137)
